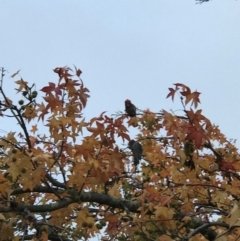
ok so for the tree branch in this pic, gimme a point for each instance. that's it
(205, 230)
(104, 199)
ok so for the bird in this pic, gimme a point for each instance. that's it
(137, 151)
(130, 108)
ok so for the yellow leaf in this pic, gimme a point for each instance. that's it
(186, 219)
(44, 236)
(164, 212)
(13, 75)
(182, 156)
(10, 137)
(6, 232)
(22, 85)
(94, 162)
(81, 125)
(221, 237)
(234, 209)
(14, 171)
(114, 191)
(214, 167)
(2, 218)
(34, 129)
(17, 238)
(29, 112)
(235, 214)
(220, 197)
(164, 238)
(187, 207)
(184, 192)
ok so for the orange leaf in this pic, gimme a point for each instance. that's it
(78, 71)
(42, 109)
(44, 236)
(83, 95)
(171, 93)
(13, 75)
(197, 136)
(22, 85)
(34, 129)
(194, 97)
(52, 88)
(2, 218)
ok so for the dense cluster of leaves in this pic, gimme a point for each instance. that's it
(65, 178)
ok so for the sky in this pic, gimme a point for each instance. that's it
(129, 50)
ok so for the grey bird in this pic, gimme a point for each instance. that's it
(130, 108)
(137, 151)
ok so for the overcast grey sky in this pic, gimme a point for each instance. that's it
(130, 49)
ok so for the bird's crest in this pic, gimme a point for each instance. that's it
(127, 101)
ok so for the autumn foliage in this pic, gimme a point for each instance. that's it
(63, 177)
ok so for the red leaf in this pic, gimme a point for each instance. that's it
(194, 97)
(197, 136)
(78, 71)
(227, 166)
(63, 72)
(52, 87)
(171, 93)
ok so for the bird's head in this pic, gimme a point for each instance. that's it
(128, 102)
(131, 143)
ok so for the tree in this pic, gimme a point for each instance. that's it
(72, 179)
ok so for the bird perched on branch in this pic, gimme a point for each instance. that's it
(130, 108)
(137, 151)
